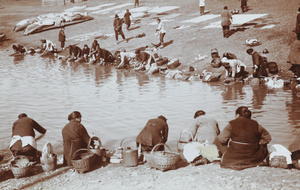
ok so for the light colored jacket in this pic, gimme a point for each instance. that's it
(160, 27)
(201, 3)
(226, 16)
(205, 128)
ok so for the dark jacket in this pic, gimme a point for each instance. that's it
(106, 55)
(75, 137)
(261, 64)
(118, 24)
(155, 131)
(61, 36)
(247, 144)
(25, 127)
(86, 51)
(143, 57)
(127, 18)
(75, 51)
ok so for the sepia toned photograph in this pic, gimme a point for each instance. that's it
(150, 94)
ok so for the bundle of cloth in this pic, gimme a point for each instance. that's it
(31, 25)
(193, 150)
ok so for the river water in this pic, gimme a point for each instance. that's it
(117, 103)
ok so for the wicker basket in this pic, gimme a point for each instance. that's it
(83, 160)
(162, 160)
(98, 151)
(181, 142)
(278, 162)
(20, 166)
(49, 164)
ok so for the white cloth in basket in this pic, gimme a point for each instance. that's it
(279, 150)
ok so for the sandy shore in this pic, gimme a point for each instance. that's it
(185, 44)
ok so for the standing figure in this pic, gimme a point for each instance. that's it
(298, 24)
(260, 64)
(202, 6)
(243, 142)
(243, 5)
(204, 128)
(118, 28)
(127, 18)
(155, 131)
(62, 38)
(226, 21)
(23, 137)
(136, 3)
(75, 137)
(161, 31)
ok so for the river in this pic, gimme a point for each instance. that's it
(117, 103)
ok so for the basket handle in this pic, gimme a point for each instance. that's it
(75, 153)
(94, 139)
(185, 131)
(159, 144)
(126, 138)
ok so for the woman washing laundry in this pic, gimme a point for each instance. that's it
(23, 137)
(243, 142)
(156, 131)
(234, 68)
(75, 137)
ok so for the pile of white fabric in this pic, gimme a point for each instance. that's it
(31, 25)
(194, 149)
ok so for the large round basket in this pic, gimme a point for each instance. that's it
(49, 164)
(83, 160)
(163, 160)
(20, 166)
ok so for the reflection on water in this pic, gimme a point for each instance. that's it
(117, 103)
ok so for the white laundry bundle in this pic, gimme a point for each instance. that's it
(252, 42)
(274, 82)
(194, 149)
(278, 151)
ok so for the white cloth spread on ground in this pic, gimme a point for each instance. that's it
(279, 150)
(26, 140)
(194, 149)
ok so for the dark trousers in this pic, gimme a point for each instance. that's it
(136, 3)
(128, 25)
(161, 39)
(117, 32)
(28, 151)
(202, 10)
(298, 36)
(243, 5)
(62, 44)
(225, 31)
